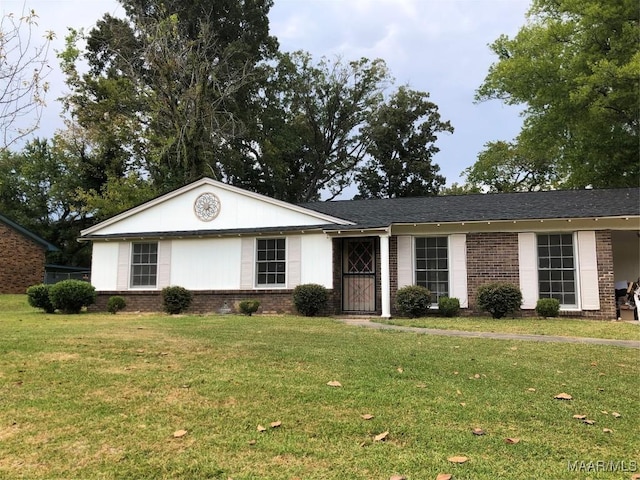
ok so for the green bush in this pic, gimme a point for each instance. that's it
(310, 298)
(499, 298)
(248, 307)
(176, 299)
(449, 307)
(413, 301)
(69, 296)
(548, 307)
(116, 303)
(38, 297)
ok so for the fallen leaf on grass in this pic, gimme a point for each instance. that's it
(366, 416)
(458, 459)
(531, 389)
(397, 477)
(444, 476)
(477, 431)
(275, 424)
(607, 430)
(635, 476)
(400, 370)
(580, 417)
(511, 441)
(179, 433)
(462, 404)
(594, 364)
(477, 375)
(563, 396)
(589, 422)
(421, 385)
(604, 411)
(252, 442)
(458, 392)
(380, 437)
(261, 428)
(334, 383)
(615, 414)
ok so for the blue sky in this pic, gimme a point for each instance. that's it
(437, 46)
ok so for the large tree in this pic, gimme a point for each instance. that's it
(575, 66)
(23, 76)
(168, 86)
(400, 144)
(308, 142)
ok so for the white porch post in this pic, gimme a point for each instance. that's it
(385, 281)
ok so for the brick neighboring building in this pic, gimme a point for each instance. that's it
(22, 257)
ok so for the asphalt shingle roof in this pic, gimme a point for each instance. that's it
(501, 206)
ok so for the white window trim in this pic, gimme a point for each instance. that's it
(130, 270)
(275, 286)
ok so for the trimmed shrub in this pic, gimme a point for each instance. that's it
(248, 307)
(310, 299)
(449, 307)
(413, 301)
(69, 296)
(176, 299)
(38, 297)
(499, 298)
(548, 307)
(115, 304)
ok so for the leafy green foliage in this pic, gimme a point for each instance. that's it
(310, 298)
(70, 296)
(499, 298)
(401, 135)
(176, 299)
(548, 307)
(449, 306)
(413, 301)
(115, 304)
(576, 67)
(38, 297)
(249, 307)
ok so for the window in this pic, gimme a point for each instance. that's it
(432, 265)
(144, 264)
(271, 262)
(556, 268)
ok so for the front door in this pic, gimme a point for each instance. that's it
(359, 275)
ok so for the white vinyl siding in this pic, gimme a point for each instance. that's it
(294, 274)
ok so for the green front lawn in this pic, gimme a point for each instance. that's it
(565, 327)
(101, 396)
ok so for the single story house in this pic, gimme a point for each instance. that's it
(227, 244)
(22, 257)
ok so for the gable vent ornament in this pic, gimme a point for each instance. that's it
(207, 206)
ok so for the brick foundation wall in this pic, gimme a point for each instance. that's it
(206, 301)
(491, 257)
(21, 261)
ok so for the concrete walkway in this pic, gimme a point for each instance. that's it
(367, 323)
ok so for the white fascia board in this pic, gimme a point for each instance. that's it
(223, 186)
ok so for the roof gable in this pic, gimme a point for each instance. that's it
(30, 235)
(238, 210)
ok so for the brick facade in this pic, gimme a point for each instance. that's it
(604, 255)
(491, 257)
(21, 261)
(207, 301)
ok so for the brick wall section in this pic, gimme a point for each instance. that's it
(206, 301)
(393, 273)
(21, 261)
(604, 255)
(491, 257)
(336, 298)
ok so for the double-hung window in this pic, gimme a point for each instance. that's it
(432, 265)
(144, 264)
(556, 268)
(271, 262)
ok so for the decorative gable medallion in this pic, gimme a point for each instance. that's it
(207, 206)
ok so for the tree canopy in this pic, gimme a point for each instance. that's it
(575, 66)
